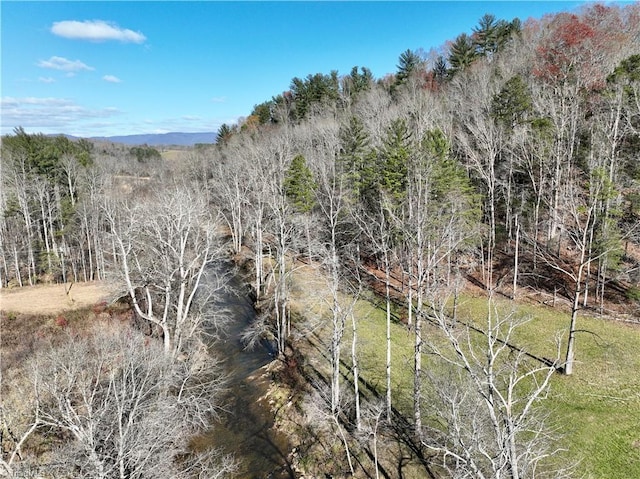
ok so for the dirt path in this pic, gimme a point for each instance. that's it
(53, 298)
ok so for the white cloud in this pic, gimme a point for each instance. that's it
(96, 31)
(61, 63)
(219, 99)
(49, 115)
(111, 79)
(64, 115)
(46, 80)
(9, 101)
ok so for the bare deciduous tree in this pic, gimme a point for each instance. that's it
(19, 419)
(124, 408)
(163, 246)
(484, 402)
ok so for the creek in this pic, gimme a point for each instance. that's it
(245, 428)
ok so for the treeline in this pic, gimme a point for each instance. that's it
(54, 190)
(519, 141)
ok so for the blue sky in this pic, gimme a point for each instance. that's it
(118, 67)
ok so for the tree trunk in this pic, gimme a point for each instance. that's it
(356, 376)
(417, 378)
(387, 277)
(515, 259)
(570, 356)
(569, 359)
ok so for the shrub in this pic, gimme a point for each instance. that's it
(99, 308)
(633, 293)
(61, 321)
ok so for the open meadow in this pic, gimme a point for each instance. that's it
(53, 298)
(593, 414)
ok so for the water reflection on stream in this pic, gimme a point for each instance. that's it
(245, 430)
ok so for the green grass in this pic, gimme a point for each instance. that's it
(372, 354)
(599, 406)
(596, 411)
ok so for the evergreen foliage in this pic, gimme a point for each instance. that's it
(316, 90)
(263, 112)
(491, 34)
(299, 185)
(626, 76)
(462, 53)
(354, 147)
(394, 158)
(408, 64)
(145, 154)
(358, 82)
(485, 35)
(224, 133)
(512, 105)
(440, 69)
(43, 154)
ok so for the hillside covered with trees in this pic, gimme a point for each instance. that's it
(502, 166)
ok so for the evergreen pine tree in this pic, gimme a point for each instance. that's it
(513, 103)
(462, 53)
(395, 155)
(299, 185)
(408, 63)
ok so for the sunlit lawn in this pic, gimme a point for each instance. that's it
(596, 410)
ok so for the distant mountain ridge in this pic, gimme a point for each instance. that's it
(162, 139)
(159, 139)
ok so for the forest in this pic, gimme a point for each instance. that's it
(432, 256)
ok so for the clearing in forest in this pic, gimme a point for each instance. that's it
(54, 298)
(596, 412)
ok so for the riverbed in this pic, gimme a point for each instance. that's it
(245, 428)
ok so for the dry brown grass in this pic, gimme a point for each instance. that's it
(52, 299)
(32, 321)
(174, 155)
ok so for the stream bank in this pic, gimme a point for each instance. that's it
(246, 427)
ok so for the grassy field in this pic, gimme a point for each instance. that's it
(53, 298)
(174, 156)
(596, 411)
